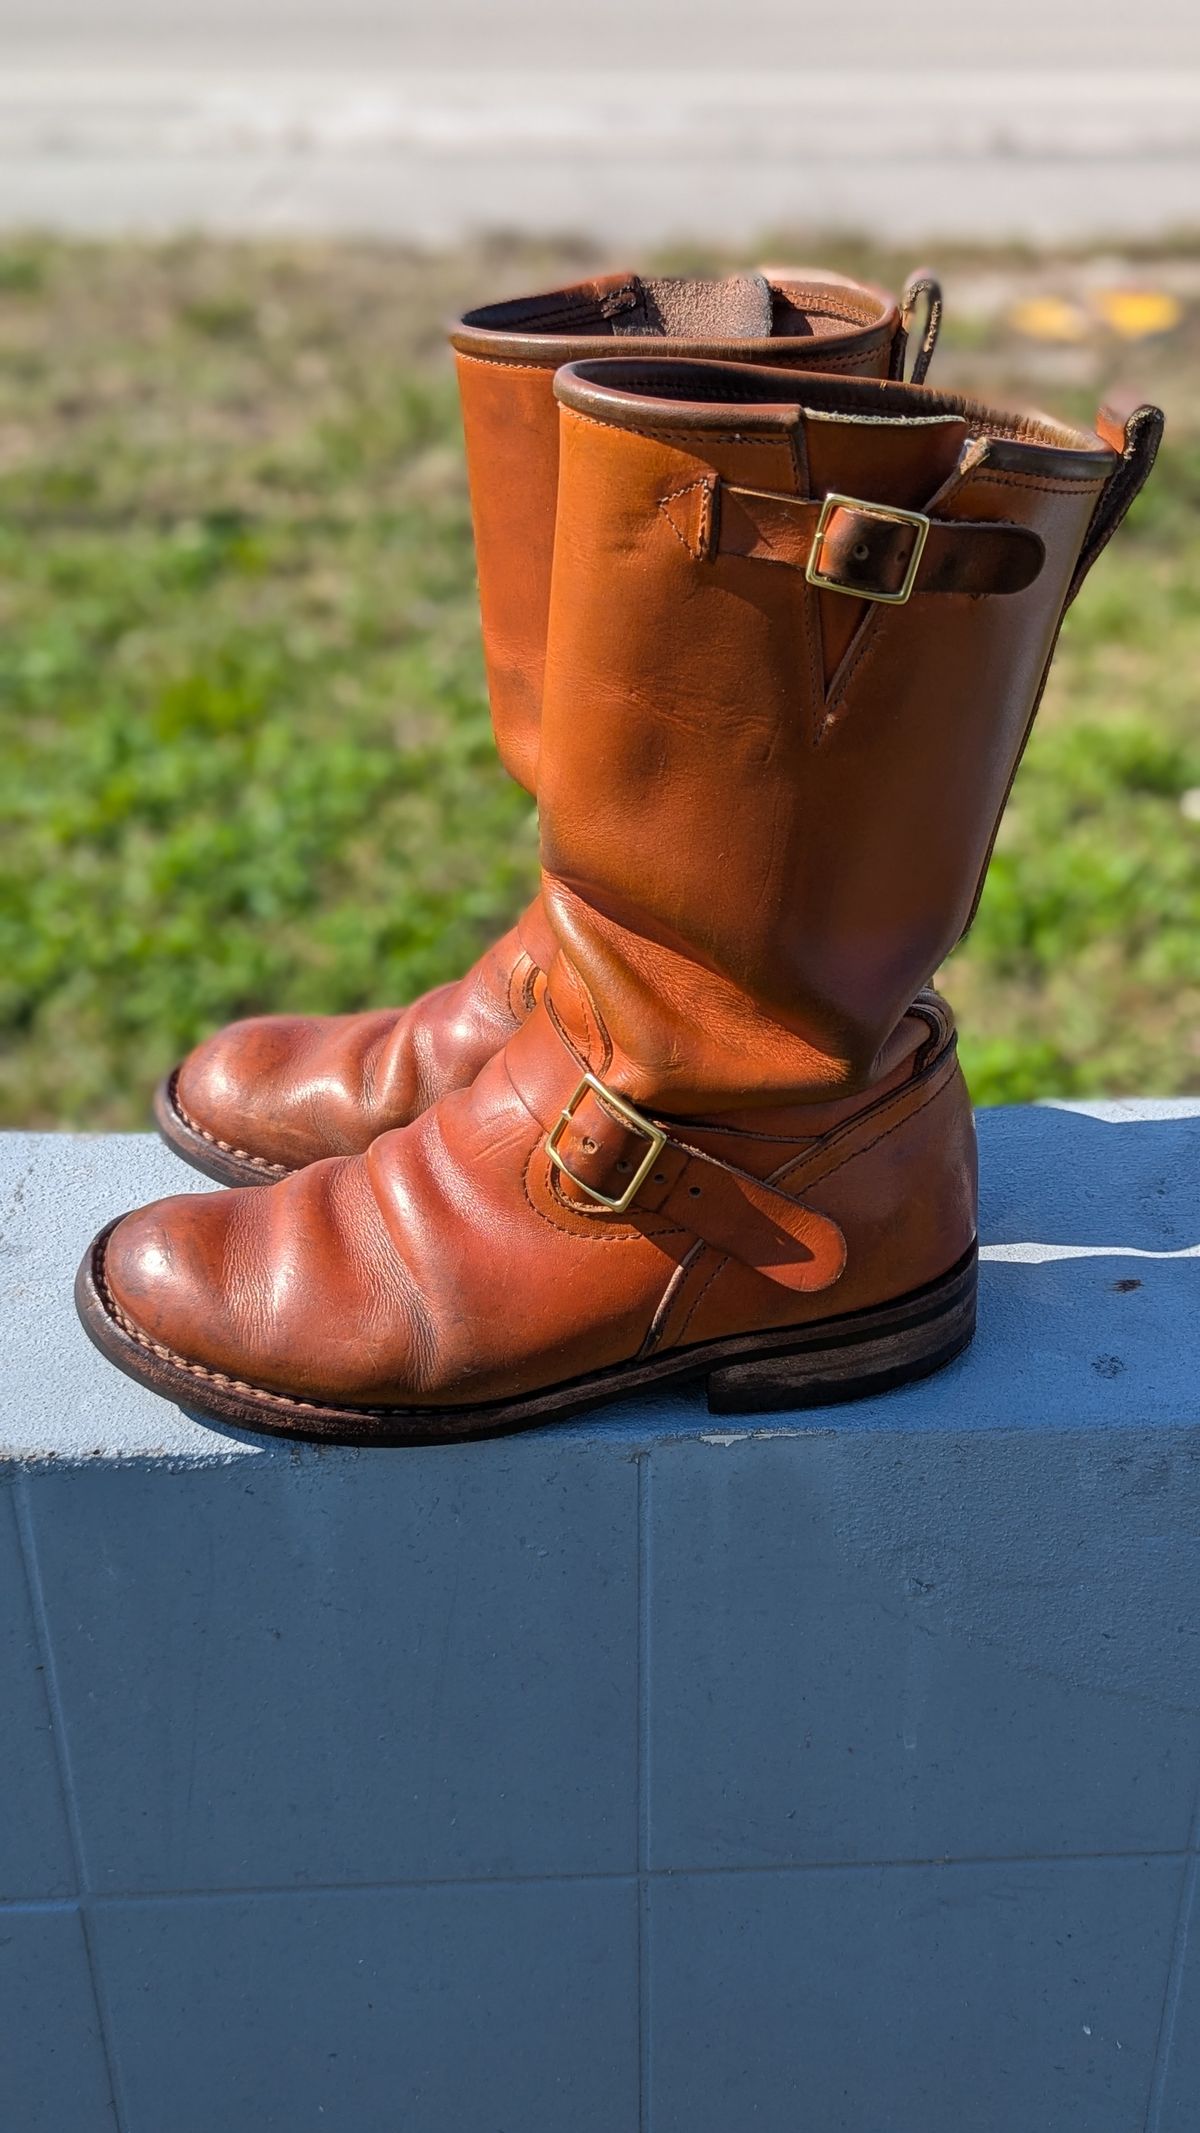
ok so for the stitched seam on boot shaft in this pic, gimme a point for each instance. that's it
(525, 969)
(941, 1076)
(861, 647)
(698, 1298)
(1032, 432)
(873, 628)
(526, 365)
(1054, 485)
(590, 1012)
(704, 533)
(662, 1311)
(533, 366)
(685, 437)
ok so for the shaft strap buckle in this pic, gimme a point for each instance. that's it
(889, 514)
(629, 1116)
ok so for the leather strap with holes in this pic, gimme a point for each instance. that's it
(713, 1201)
(865, 550)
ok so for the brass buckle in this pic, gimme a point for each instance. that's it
(622, 1110)
(916, 519)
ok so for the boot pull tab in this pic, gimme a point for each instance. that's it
(1136, 436)
(923, 292)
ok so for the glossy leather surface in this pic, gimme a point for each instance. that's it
(448, 1265)
(798, 897)
(277, 1091)
(507, 355)
(765, 810)
(285, 1090)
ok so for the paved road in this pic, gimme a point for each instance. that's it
(643, 119)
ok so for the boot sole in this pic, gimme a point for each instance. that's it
(227, 1165)
(836, 1359)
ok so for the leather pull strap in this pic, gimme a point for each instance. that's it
(868, 549)
(923, 292)
(597, 1153)
(1136, 435)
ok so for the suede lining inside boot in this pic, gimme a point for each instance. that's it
(737, 307)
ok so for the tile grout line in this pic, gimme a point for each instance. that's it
(1189, 1898)
(236, 1891)
(643, 1790)
(83, 1904)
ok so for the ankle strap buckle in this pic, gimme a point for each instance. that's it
(893, 515)
(629, 1116)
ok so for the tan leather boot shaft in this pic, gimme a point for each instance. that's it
(267, 1095)
(730, 1140)
(779, 730)
(507, 355)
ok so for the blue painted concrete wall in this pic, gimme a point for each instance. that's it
(656, 1774)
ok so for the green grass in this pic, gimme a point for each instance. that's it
(246, 751)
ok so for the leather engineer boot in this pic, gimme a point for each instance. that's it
(267, 1095)
(798, 631)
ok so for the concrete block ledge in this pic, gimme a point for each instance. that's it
(651, 1774)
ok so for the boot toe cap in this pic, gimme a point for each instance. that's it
(294, 1290)
(240, 1087)
(286, 1090)
(157, 1274)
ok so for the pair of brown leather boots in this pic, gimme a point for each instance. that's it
(766, 627)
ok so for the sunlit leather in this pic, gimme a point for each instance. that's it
(765, 812)
(274, 1092)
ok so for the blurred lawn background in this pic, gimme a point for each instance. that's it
(245, 744)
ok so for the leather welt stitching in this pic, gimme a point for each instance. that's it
(220, 1377)
(260, 1162)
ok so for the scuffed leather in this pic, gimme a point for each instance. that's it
(288, 1089)
(754, 859)
(447, 1266)
(280, 1091)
